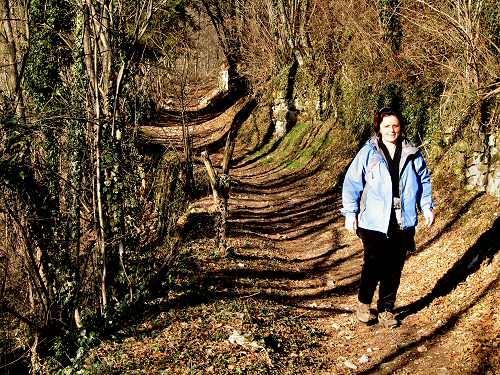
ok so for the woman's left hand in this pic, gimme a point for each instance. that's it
(429, 217)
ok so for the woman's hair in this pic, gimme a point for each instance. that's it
(385, 112)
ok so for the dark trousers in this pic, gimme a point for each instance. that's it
(384, 257)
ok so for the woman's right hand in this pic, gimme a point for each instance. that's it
(351, 223)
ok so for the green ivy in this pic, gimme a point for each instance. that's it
(49, 21)
(390, 19)
(491, 19)
(416, 102)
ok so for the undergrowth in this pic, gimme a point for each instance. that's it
(189, 330)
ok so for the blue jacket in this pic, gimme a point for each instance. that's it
(367, 189)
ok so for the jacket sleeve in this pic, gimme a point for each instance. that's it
(424, 199)
(354, 183)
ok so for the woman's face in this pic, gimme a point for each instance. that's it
(390, 129)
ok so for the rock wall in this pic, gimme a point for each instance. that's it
(224, 79)
(483, 168)
(284, 116)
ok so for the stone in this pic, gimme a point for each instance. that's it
(363, 359)
(421, 349)
(386, 368)
(224, 80)
(279, 128)
(237, 338)
(284, 116)
(350, 365)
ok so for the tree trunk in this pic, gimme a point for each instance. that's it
(186, 139)
(220, 201)
(13, 77)
(292, 21)
(224, 18)
(98, 60)
(212, 176)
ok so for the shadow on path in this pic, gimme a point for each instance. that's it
(439, 331)
(485, 247)
(239, 118)
(324, 255)
(450, 224)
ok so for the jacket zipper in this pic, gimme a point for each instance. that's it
(387, 168)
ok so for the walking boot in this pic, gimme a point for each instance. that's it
(363, 313)
(387, 320)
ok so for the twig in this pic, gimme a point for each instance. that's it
(25, 354)
(300, 315)
(251, 295)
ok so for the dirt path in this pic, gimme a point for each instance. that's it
(207, 123)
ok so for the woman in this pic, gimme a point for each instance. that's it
(385, 184)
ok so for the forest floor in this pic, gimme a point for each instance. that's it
(282, 300)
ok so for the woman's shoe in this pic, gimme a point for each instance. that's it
(387, 319)
(363, 313)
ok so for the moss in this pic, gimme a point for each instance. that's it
(288, 144)
(295, 151)
(491, 19)
(306, 155)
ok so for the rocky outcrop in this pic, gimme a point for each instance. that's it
(284, 116)
(483, 168)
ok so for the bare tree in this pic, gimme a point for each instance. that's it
(14, 74)
(226, 17)
(294, 17)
